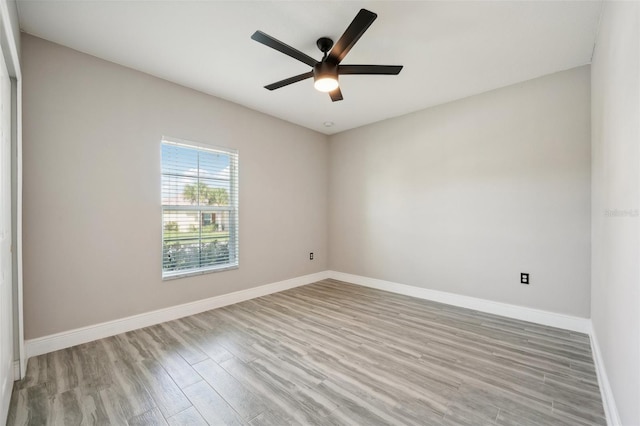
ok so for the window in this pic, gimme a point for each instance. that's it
(199, 208)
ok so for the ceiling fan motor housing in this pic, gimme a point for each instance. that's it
(325, 70)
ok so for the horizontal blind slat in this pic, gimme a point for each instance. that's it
(199, 189)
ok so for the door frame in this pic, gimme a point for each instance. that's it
(9, 40)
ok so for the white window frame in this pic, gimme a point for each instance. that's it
(234, 214)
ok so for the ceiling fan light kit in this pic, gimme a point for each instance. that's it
(325, 77)
(326, 71)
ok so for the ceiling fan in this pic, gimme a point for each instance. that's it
(326, 71)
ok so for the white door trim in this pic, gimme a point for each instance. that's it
(13, 66)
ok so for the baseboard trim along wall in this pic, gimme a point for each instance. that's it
(609, 403)
(552, 319)
(567, 322)
(54, 342)
(66, 339)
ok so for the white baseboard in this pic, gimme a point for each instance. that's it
(66, 339)
(78, 336)
(567, 322)
(609, 403)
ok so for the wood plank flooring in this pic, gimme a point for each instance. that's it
(329, 353)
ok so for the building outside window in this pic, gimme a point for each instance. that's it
(199, 208)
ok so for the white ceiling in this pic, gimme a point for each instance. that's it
(449, 49)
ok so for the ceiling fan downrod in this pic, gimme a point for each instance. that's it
(324, 44)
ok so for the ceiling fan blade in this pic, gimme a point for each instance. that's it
(358, 26)
(336, 95)
(370, 69)
(273, 43)
(288, 81)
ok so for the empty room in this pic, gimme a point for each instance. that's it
(319, 212)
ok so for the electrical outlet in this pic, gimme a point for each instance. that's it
(310, 256)
(524, 278)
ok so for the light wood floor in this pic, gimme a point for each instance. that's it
(329, 353)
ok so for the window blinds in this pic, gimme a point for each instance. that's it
(199, 208)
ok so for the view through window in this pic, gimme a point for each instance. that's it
(199, 208)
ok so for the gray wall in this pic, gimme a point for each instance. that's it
(615, 292)
(461, 197)
(92, 214)
(464, 196)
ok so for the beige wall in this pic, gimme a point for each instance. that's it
(459, 198)
(615, 293)
(92, 215)
(464, 196)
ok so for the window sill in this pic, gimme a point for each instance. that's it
(183, 274)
